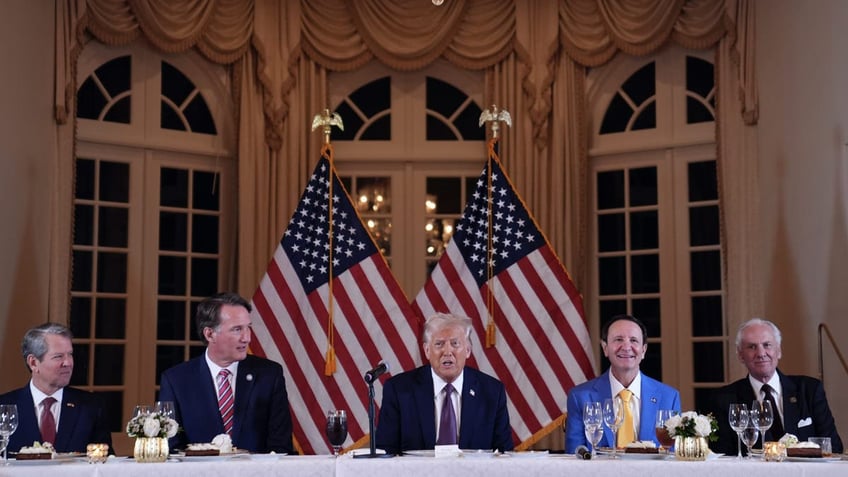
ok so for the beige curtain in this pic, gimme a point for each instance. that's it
(534, 53)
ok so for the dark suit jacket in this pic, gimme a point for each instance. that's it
(654, 396)
(407, 415)
(804, 402)
(262, 421)
(81, 421)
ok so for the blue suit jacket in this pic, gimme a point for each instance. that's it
(407, 416)
(655, 396)
(81, 421)
(262, 421)
(804, 402)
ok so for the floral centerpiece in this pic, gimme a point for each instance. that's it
(151, 432)
(152, 425)
(690, 431)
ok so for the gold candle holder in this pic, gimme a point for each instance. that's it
(97, 453)
(774, 451)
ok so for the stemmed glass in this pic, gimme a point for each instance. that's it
(614, 418)
(765, 417)
(142, 410)
(665, 440)
(336, 429)
(750, 435)
(738, 418)
(166, 408)
(8, 426)
(593, 423)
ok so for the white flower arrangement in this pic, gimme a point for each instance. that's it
(692, 424)
(152, 425)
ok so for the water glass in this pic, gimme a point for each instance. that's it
(737, 417)
(336, 429)
(824, 443)
(142, 410)
(765, 416)
(166, 408)
(663, 437)
(749, 436)
(8, 426)
(614, 417)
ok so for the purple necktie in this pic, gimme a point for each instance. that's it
(447, 422)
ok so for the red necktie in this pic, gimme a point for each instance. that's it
(225, 400)
(447, 421)
(48, 422)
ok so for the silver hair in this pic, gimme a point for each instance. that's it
(758, 321)
(35, 340)
(442, 320)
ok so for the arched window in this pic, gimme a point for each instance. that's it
(153, 215)
(655, 238)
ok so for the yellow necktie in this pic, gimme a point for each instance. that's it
(625, 434)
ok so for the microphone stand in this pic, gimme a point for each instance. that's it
(371, 414)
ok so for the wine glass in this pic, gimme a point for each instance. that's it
(336, 429)
(738, 419)
(8, 426)
(593, 421)
(166, 408)
(665, 440)
(750, 435)
(614, 418)
(765, 416)
(142, 410)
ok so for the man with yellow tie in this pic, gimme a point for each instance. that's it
(624, 342)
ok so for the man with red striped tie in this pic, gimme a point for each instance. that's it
(226, 390)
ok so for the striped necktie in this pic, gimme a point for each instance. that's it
(225, 400)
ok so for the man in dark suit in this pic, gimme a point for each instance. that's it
(49, 410)
(421, 408)
(226, 390)
(800, 403)
(624, 342)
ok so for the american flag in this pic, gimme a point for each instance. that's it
(500, 271)
(371, 319)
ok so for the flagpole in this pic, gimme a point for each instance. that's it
(326, 121)
(493, 117)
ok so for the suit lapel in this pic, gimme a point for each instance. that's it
(244, 388)
(28, 430)
(648, 409)
(469, 417)
(67, 419)
(208, 395)
(791, 410)
(426, 405)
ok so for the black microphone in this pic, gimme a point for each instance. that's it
(375, 373)
(582, 452)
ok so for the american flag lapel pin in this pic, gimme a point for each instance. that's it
(249, 377)
(70, 404)
(654, 400)
(471, 392)
(793, 399)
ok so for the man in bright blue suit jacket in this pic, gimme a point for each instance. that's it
(78, 415)
(413, 400)
(624, 342)
(261, 420)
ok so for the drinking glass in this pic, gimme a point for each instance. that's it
(738, 419)
(336, 429)
(614, 418)
(8, 426)
(166, 408)
(749, 436)
(765, 416)
(665, 440)
(593, 422)
(142, 410)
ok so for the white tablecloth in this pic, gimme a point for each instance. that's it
(568, 465)
(345, 466)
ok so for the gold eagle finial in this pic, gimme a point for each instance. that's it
(495, 116)
(327, 120)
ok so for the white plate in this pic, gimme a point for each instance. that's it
(266, 456)
(421, 453)
(813, 459)
(634, 456)
(210, 458)
(478, 453)
(527, 454)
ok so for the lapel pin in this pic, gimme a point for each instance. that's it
(654, 400)
(471, 392)
(249, 377)
(69, 404)
(793, 399)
